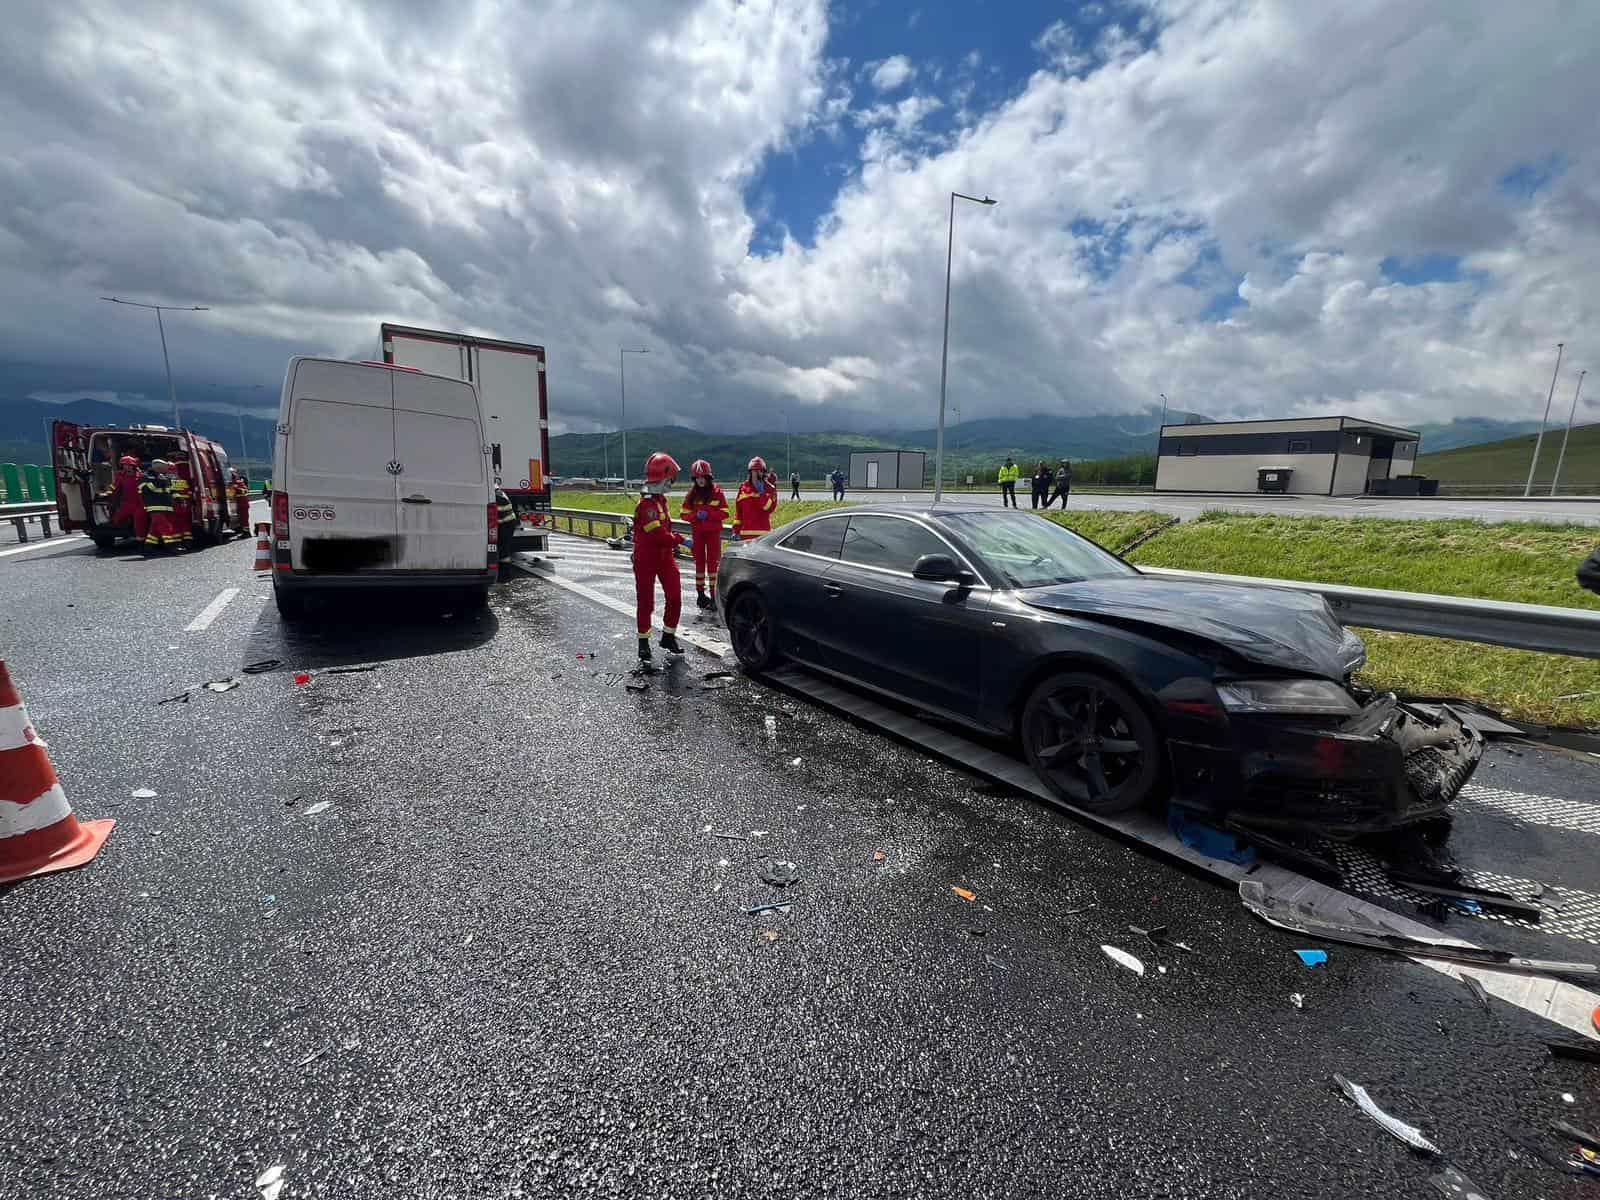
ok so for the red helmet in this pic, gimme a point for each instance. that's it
(127, 460)
(701, 467)
(660, 467)
(758, 464)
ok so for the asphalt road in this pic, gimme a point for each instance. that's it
(1494, 511)
(511, 957)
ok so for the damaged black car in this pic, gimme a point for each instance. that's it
(1234, 701)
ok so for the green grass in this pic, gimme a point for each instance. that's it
(1507, 462)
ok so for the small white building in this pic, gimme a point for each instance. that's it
(1312, 456)
(887, 468)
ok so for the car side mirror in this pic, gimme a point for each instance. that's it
(941, 568)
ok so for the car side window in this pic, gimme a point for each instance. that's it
(889, 542)
(822, 537)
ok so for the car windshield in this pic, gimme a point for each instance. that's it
(1028, 551)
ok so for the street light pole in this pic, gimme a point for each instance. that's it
(172, 392)
(622, 372)
(944, 355)
(788, 445)
(1562, 457)
(1159, 430)
(1527, 489)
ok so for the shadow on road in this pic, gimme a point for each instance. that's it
(368, 628)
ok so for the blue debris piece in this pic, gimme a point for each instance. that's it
(1208, 839)
(1313, 958)
(1466, 906)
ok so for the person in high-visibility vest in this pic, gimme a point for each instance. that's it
(705, 508)
(182, 503)
(756, 502)
(239, 498)
(655, 549)
(156, 491)
(1009, 474)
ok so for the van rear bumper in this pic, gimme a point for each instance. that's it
(316, 581)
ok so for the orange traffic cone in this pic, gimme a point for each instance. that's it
(263, 549)
(38, 833)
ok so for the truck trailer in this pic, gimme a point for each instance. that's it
(510, 380)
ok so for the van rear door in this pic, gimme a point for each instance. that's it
(69, 452)
(443, 485)
(339, 477)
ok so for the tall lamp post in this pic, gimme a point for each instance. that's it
(622, 372)
(172, 392)
(1539, 443)
(1562, 457)
(1159, 429)
(788, 445)
(944, 355)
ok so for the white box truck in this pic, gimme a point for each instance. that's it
(510, 379)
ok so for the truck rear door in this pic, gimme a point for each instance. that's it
(69, 451)
(443, 485)
(341, 470)
(511, 385)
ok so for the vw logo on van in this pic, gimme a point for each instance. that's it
(395, 467)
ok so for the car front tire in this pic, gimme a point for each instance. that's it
(1091, 742)
(751, 630)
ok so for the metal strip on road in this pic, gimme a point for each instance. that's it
(1555, 1000)
(530, 562)
(212, 611)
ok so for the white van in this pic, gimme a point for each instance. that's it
(380, 478)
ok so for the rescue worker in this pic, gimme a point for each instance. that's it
(705, 508)
(182, 503)
(128, 508)
(756, 502)
(239, 497)
(1042, 479)
(838, 481)
(1063, 484)
(507, 521)
(161, 531)
(655, 547)
(1009, 474)
(794, 485)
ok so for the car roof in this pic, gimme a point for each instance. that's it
(944, 508)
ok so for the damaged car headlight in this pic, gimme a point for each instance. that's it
(1301, 697)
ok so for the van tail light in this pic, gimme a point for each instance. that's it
(280, 531)
(494, 537)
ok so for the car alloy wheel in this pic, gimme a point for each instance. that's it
(1091, 742)
(751, 631)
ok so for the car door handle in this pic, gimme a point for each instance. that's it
(833, 589)
(415, 500)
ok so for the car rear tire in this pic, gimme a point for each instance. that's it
(291, 607)
(750, 629)
(1091, 742)
(105, 543)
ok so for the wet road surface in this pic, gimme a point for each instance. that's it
(511, 957)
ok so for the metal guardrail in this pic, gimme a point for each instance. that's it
(20, 514)
(1544, 627)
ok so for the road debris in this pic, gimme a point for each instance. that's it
(771, 724)
(351, 670)
(728, 837)
(769, 936)
(878, 856)
(1576, 1134)
(221, 685)
(1123, 959)
(302, 679)
(780, 874)
(1568, 1098)
(1408, 1134)
(795, 762)
(180, 698)
(1586, 1051)
(1476, 990)
(779, 906)
(261, 665)
(716, 680)
(320, 806)
(637, 685)
(1313, 958)
(1452, 1182)
(1156, 935)
(270, 1182)
(964, 893)
(1296, 999)
(143, 794)
(1549, 1158)
(995, 962)
(312, 1057)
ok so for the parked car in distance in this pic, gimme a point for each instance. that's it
(1234, 701)
(381, 480)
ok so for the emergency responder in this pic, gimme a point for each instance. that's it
(794, 485)
(507, 521)
(838, 481)
(705, 508)
(1043, 477)
(1063, 484)
(182, 503)
(161, 531)
(756, 502)
(1009, 474)
(655, 547)
(239, 501)
(128, 507)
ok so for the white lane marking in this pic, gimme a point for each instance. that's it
(60, 542)
(527, 562)
(211, 611)
(1575, 816)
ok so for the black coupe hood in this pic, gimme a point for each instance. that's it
(1293, 631)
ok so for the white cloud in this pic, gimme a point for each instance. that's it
(583, 182)
(891, 73)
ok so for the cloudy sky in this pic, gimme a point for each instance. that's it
(1385, 209)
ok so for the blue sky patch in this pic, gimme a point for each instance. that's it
(1422, 268)
(1526, 180)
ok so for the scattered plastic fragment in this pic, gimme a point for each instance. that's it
(1456, 1185)
(717, 680)
(1123, 959)
(637, 685)
(350, 670)
(221, 685)
(1296, 999)
(769, 936)
(1547, 1157)
(1476, 989)
(180, 698)
(1576, 1134)
(1395, 1127)
(143, 794)
(1313, 958)
(795, 762)
(1584, 1051)
(319, 807)
(1160, 968)
(780, 906)
(582, 656)
(1568, 1098)
(879, 856)
(312, 1057)
(780, 874)
(302, 679)
(729, 837)
(257, 667)
(467, 941)
(270, 1182)
(771, 724)
(1072, 912)
(995, 962)
(966, 895)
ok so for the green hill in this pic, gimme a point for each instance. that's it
(1506, 462)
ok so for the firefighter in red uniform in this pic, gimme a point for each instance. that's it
(655, 547)
(182, 503)
(129, 508)
(239, 496)
(705, 508)
(756, 502)
(156, 492)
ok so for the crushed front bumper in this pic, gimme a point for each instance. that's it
(1385, 768)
